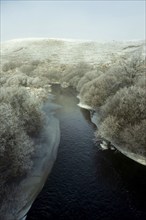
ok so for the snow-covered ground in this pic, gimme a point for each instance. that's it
(81, 105)
(62, 51)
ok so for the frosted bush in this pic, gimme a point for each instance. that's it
(74, 73)
(26, 108)
(15, 145)
(18, 79)
(109, 129)
(89, 76)
(36, 82)
(123, 119)
(127, 104)
(133, 137)
(10, 65)
(141, 81)
(53, 74)
(98, 90)
(27, 68)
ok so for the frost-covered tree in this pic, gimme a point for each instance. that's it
(89, 76)
(128, 104)
(123, 118)
(21, 119)
(74, 73)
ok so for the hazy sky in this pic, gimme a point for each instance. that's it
(93, 20)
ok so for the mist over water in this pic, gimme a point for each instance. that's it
(86, 182)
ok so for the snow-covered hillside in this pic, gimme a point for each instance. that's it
(62, 51)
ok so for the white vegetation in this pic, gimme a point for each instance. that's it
(21, 119)
(123, 119)
(103, 74)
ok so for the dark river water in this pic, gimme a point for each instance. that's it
(87, 183)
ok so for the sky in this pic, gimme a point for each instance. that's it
(87, 20)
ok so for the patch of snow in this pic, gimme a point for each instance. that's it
(104, 145)
(82, 105)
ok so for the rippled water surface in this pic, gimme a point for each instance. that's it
(85, 182)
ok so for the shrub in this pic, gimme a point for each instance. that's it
(89, 76)
(109, 129)
(18, 79)
(15, 146)
(25, 107)
(53, 74)
(123, 118)
(27, 68)
(133, 137)
(10, 66)
(98, 90)
(141, 81)
(127, 104)
(74, 73)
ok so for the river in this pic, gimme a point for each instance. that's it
(87, 183)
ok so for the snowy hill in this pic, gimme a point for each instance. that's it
(60, 51)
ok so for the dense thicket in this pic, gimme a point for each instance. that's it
(123, 119)
(118, 94)
(21, 120)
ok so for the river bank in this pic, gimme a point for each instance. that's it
(24, 190)
(95, 119)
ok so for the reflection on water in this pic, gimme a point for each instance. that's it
(86, 182)
(133, 176)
